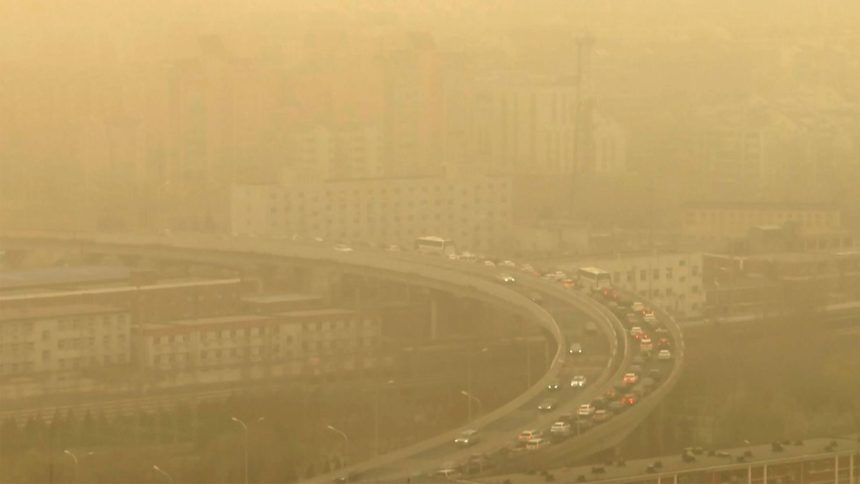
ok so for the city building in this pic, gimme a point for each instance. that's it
(474, 212)
(63, 337)
(719, 225)
(322, 153)
(673, 281)
(778, 283)
(309, 343)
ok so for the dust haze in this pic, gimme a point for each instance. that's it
(429, 240)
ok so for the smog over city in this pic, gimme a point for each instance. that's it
(425, 241)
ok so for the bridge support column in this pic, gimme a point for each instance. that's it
(764, 473)
(851, 468)
(836, 469)
(434, 318)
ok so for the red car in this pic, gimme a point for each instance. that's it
(664, 343)
(629, 400)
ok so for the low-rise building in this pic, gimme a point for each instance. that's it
(294, 343)
(673, 281)
(67, 337)
(717, 225)
(779, 282)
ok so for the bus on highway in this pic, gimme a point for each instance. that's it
(430, 244)
(594, 278)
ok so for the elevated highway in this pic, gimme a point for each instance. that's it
(498, 427)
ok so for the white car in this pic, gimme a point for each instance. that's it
(560, 428)
(547, 405)
(636, 331)
(585, 410)
(637, 306)
(664, 355)
(578, 381)
(489, 263)
(467, 438)
(342, 248)
(507, 278)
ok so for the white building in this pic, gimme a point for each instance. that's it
(65, 337)
(673, 281)
(230, 348)
(474, 212)
(322, 153)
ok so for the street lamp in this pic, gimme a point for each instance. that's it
(74, 458)
(476, 399)
(245, 430)
(345, 440)
(168, 476)
(376, 419)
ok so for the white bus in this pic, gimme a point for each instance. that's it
(434, 245)
(594, 278)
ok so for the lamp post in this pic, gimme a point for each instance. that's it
(376, 418)
(74, 458)
(469, 367)
(345, 440)
(476, 399)
(168, 476)
(245, 430)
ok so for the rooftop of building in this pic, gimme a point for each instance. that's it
(279, 298)
(65, 310)
(757, 205)
(312, 313)
(62, 276)
(112, 288)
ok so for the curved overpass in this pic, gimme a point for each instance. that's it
(499, 426)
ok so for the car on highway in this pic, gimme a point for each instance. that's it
(489, 263)
(467, 438)
(527, 435)
(649, 317)
(507, 263)
(637, 307)
(636, 332)
(547, 405)
(568, 283)
(601, 415)
(578, 381)
(645, 343)
(630, 399)
(664, 343)
(507, 278)
(553, 385)
(448, 473)
(630, 378)
(585, 410)
(560, 429)
(575, 349)
(664, 355)
(392, 248)
(661, 330)
(342, 248)
(599, 402)
(536, 444)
